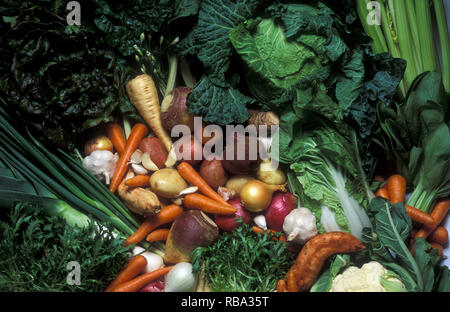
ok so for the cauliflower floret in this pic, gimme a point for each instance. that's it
(102, 164)
(300, 225)
(368, 278)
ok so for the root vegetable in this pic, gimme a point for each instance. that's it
(208, 205)
(227, 223)
(154, 261)
(256, 196)
(226, 193)
(268, 174)
(102, 164)
(140, 200)
(300, 225)
(190, 230)
(189, 149)
(308, 265)
(237, 182)
(259, 118)
(167, 183)
(166, 215)
(181, 278)
(115, 134)
(144, 96)
(134, 267)
(281, 205)
(157, 235)
(138, 132)
(144, 279)
(213, 173)
(174, 110)
(245, 163)
(155, 150)
(156, 286)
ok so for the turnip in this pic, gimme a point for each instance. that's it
(190, 230)
(174, 110)
(282, 204)
(228, 223)
(245, 164)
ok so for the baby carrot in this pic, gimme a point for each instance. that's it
(166, 215)
(134, 267)
(439, 212)
(206, 204)
(396, 186)
(115, 134)
(142, 280)
(419, 216)
(440, 236)
(138, 132)
(191, 175)
(140, 180)
(158, 235)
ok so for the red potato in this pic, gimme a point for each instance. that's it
(227, 223)
(213, 173)
(195, 156)
(154, 147)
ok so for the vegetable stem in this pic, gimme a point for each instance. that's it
(444, 40)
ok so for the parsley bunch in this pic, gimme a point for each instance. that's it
(243, 261)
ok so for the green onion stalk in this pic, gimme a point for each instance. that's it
(57, 182)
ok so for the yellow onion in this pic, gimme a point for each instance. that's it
(102, 143)
(256, 196)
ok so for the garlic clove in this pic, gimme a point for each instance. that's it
(260, 221)
(138, 169)
(148, 163)
(171, 158)
(188, 190)
(136, 157)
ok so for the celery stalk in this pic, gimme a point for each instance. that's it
(414, 31)
(374, 31)
(444, 40)
(404, 41)
(427, 46)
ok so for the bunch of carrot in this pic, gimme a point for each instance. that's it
(394, 190)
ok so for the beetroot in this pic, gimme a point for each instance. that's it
(156, 286)
(227, 223)
(282, 204)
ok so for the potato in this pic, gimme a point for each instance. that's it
(237, 182)
(154, 147)
(167, 183)
(213, 173)
(270, 175)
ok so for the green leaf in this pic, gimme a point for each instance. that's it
(323, 284)
(218, 105)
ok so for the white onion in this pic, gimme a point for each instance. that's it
(181, 278)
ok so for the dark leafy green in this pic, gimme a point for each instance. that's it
(36, 250)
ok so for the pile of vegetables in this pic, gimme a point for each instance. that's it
(348, 192)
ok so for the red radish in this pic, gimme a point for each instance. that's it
(156, 286)
(282, 204)
(227, 223)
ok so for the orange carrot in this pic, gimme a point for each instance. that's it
(158, 235)
(115, 134)
(439, 236)
(438, 247)
(419, 216)
(138, 132)
(439, 212)
(139, 282)
(166, 215)
(206, 204)
(138, 181)
(383, 192)
(396, 186)
(257, 229)
(190, 175)
(134, 267)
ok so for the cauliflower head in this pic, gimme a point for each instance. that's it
(371, 277)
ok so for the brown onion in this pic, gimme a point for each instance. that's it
(256, 196)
